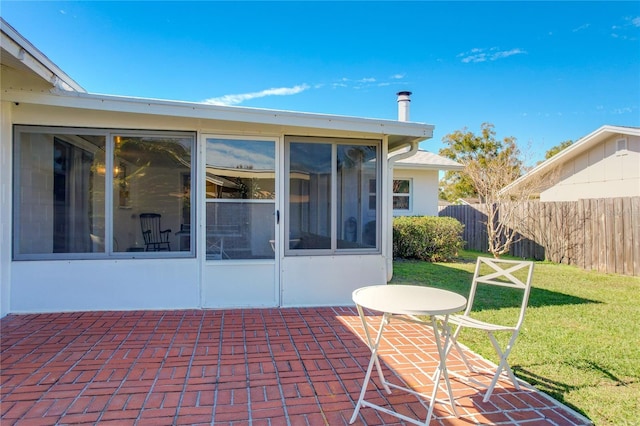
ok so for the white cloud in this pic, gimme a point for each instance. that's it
(506, 54)
(484, 55)
(624, 110)
(626, 31)
(366, 82)
(343, 82)
(227, 100)
(581, 27)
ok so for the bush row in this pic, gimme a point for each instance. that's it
(429, 238)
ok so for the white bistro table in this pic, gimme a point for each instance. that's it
(408, 302)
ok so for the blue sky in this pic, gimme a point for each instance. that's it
(543, 72)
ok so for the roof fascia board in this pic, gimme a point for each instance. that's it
(19, 47)
(587, 142)
(414, 131)
(583, 144)
(400, 166)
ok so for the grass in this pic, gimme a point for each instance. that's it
(580, 342)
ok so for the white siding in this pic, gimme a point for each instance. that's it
(601, 172)
(424, 191)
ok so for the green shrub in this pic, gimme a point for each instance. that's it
(430, 238)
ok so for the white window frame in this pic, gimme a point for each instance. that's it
(408, 195)
(109, 252)
(334, 142)
(274, 201)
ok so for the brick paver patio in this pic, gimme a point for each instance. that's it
(230, 367)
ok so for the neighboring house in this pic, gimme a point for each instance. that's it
(603, 164)
(119, 203)
(416, 182)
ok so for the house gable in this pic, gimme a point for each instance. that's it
(603, 171)
(603, 164)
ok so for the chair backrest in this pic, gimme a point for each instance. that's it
(515, 274)
(150, 225)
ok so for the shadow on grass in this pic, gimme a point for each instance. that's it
(457, 278)
(557, 389)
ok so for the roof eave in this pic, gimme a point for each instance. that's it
(399, 133)
(22, 49)
(401, 166)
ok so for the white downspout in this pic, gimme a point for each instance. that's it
(403, 115)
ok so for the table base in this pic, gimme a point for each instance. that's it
(440, 372)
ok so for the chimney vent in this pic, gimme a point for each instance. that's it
(404, 100)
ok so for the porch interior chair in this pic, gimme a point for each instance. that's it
(215, 248)
(155, 238)
(215, 242)
(499, 274)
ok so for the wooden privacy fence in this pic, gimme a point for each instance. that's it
(594, 234)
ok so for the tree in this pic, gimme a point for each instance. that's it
(556, 149)
(489, 166)
(467, 148)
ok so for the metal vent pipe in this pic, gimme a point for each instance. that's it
(404, 100)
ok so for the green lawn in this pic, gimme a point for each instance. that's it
(580, 342)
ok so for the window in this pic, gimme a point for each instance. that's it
(241, 191)
(621, 147)
(151, 174)
(86, 193)
(402, 194)
(333, 191)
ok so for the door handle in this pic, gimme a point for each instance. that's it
(277, 217)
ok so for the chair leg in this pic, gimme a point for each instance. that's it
(503, 365)
(454, 343)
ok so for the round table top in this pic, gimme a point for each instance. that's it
(409, 300)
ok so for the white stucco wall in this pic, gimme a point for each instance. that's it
(88, 285)
(114, 284)
(5, 207)
(328, 280)
(424, 192)
(601, 172)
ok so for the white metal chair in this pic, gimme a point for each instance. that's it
(503, 273)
